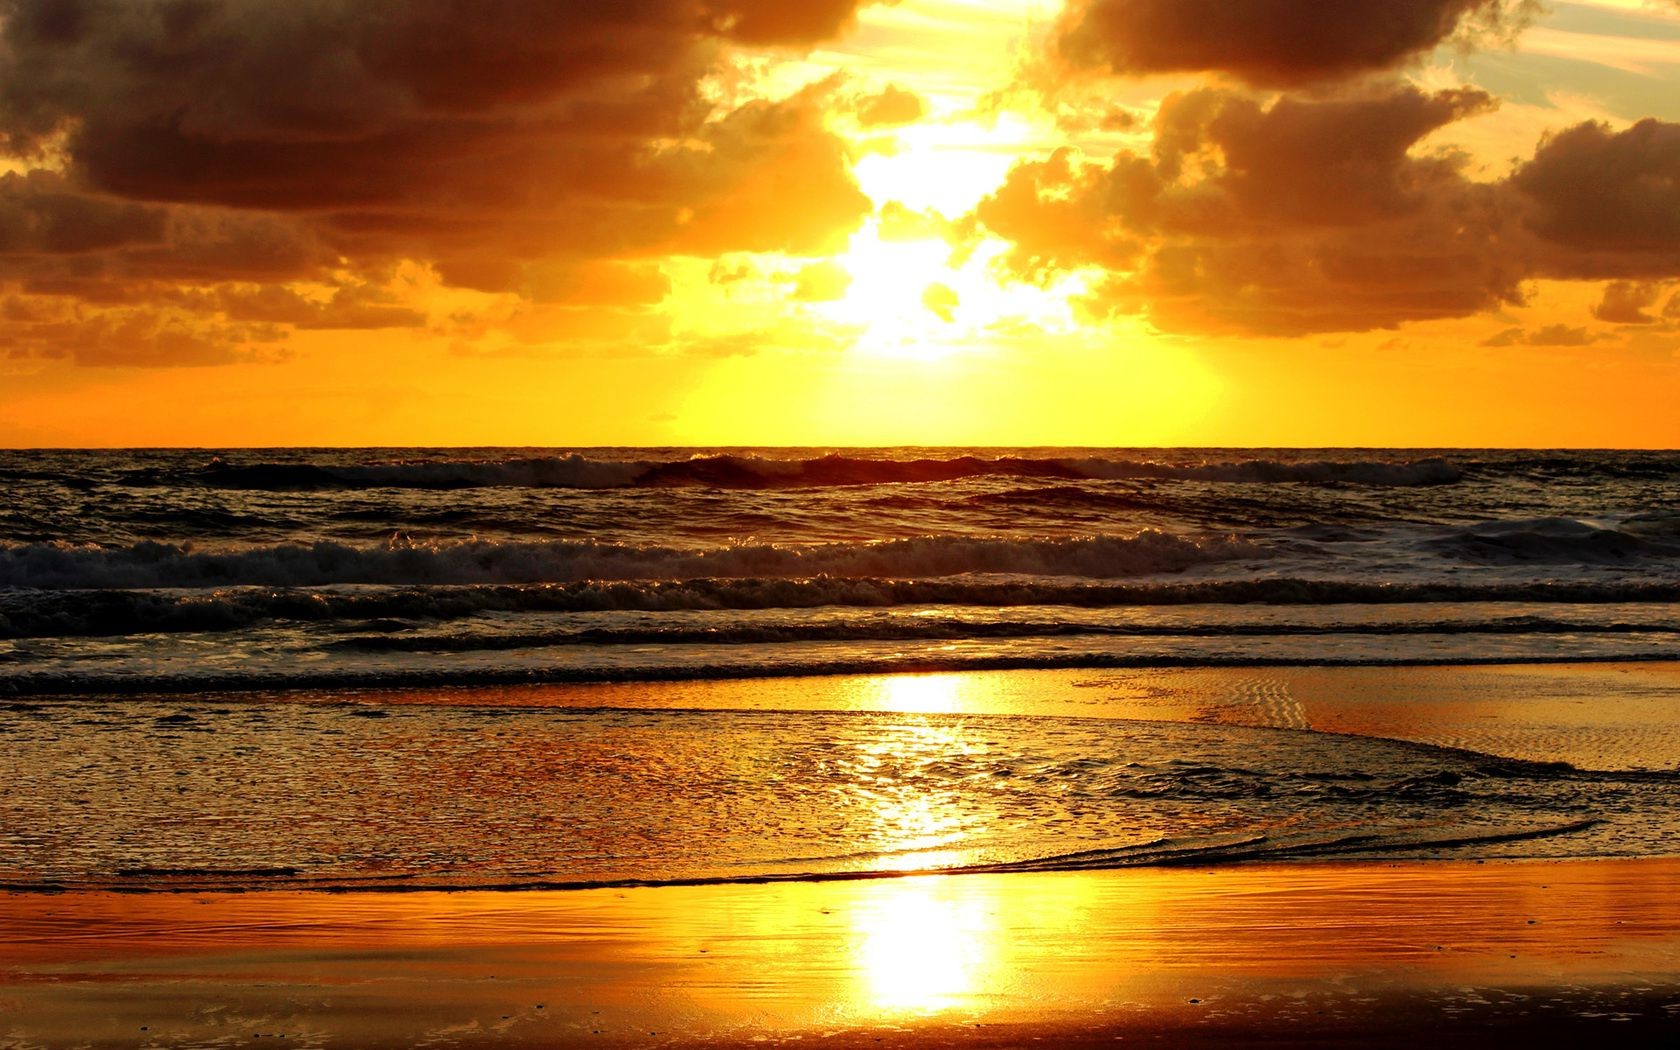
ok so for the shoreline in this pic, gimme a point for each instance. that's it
(1591, 714)
(83, 687)
(1311, 953)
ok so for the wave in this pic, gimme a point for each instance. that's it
(571, 471)
(761, 472)
(1564, 540)
(60, 613)
(403, 561)
(924, 629)
(1416, 473)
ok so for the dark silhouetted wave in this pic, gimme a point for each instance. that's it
(401, 561)
(82, 613)
(760, 472)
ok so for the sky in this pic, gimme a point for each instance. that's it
(1428, 223)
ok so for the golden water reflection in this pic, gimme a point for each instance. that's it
(918, 820)
(922, 693)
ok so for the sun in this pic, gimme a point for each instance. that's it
(899, 296)
(924, 298)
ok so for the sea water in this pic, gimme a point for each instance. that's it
(196, 648)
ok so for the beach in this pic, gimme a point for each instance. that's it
(1212, 950)
(1552, 953)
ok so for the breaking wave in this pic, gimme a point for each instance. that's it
(30, 613)
(1565, 540)
(403, 561)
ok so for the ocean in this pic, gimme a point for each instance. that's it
(326, 667)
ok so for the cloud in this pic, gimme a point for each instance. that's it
(1060, 214)
(1607, 203)
(509, 145)
(767, 178)
(780, 22)
(399, 125)
(1301, 216)
(1273, 43)
(821, 282)
(596, 283)
(132, 336)
(347, 307)
(1628, 302)
(1548, 335)
(1325, 213)
(898, 222)
(892, 105)
(41, 215)
(941, 301)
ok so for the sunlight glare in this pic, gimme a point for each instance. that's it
(909, 301)
(922, 947)
(922, 693)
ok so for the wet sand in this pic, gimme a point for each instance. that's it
(1376, 954)
(1455, 953)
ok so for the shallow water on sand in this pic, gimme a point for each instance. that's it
(831, 777)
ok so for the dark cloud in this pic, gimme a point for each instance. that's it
(385, 116)
(58, 238)
(1303, 216)
(143, 336)
(1275, 43)
(347, 307)
(1628, 302)
(508, 143)
(41, 215)
(1326, 214)
(781, 22)
(1607, 203)
(1560, 335)
(1059, 213)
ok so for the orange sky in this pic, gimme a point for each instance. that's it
(1110, 222)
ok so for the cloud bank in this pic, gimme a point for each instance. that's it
(498, 141)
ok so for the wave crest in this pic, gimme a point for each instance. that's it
(760, 472)
(31, 614)
(403, 561)
(1564, 541)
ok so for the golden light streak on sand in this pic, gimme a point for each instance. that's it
(1335, 954)
(922, 948)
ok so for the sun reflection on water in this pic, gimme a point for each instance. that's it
(925, 693)
(918, 819)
